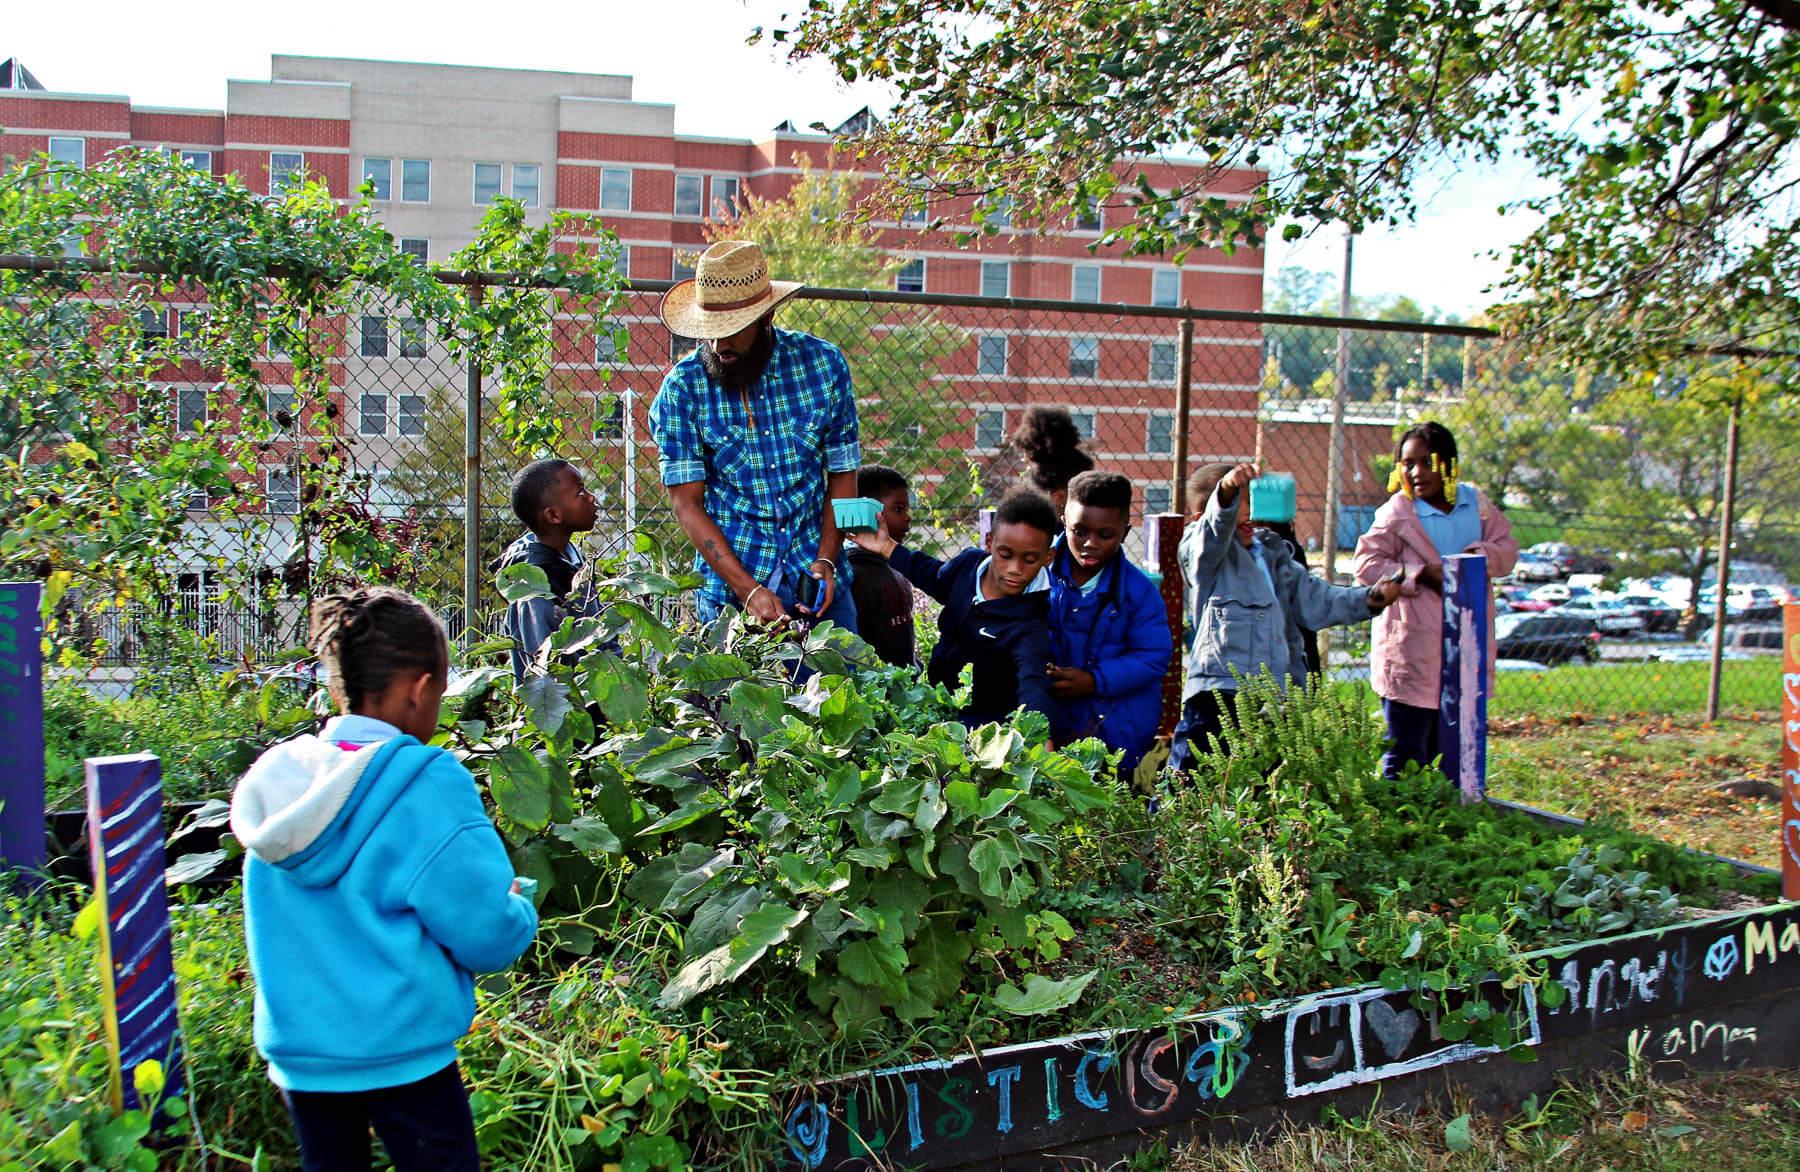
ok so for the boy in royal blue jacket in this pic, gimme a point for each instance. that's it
(996, 606)
(375, 887)
(1109, 631)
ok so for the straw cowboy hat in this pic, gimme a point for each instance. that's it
(730, 289)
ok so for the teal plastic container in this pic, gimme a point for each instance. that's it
(856, 514)
(1272, 497)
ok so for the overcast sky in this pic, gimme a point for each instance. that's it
(691, 53)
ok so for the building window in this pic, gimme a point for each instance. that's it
(681, 265)
(416, 247)
(71, 152)
(990, 427)
(999, 211)
(280, 404)
(680, 347)
(606, 347)
(190, 408)
(378, 177)
(414, 339)
(1159, 433)
(1156, 499)
(910, 277)
(374, 336)
(624, 261)
(724, 197)
(190, 328)
(1089, 218)
(153, 326)
(412, 415)
(73, 244)
(996, 278)
(1084, 283)
(198, 160)
(992, 355)
(282, 493)
(487, 183)
(615, 189)
(1084, 357)
(609, 417)
(415, 180)
(1084, 423)
(1162, 362)
(372, 414)
(690, 195)
(526, 178)
(1165, 287)
(286, 169)
(917, 211)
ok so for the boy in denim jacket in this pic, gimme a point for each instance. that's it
(1249, 601)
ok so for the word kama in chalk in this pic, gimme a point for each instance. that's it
(1340, 1040)
(1692, 1042)
(1144, 1080)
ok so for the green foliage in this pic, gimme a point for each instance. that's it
(1667, 223)
(1593, 898)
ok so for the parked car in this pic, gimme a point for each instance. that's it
(1754, 637)
(1657, 614)
(1559, 594)
(1531, 568)
(1519, 598)
(1615, 616)
(1558, 553)
(1551, 637)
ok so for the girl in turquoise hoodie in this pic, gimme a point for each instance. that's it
(375, 887)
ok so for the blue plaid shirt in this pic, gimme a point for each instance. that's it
(764, 454)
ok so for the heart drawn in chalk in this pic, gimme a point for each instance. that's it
(1790, 838)
(1396, 1028)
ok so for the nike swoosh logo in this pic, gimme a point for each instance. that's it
(984, 632)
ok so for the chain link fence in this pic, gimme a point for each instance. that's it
(1615, 488)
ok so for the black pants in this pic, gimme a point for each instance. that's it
(1414, 733)
(425, 1126)
(1202, 716)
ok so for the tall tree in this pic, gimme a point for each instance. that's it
(1667, 126)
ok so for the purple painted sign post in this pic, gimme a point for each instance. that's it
(21, 729)
(137, 968)
(1462, 704)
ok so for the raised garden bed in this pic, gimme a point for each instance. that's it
(1717, 993)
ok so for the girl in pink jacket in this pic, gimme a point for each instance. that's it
(1430, 517)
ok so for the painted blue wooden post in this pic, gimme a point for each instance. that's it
(1462, 709)
(137, 967)
(21, 730)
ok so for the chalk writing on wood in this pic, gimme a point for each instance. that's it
(125, 837)
(1462, 710)
(1337, 1040)
(21, 729)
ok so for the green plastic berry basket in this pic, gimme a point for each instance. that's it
(856, 514)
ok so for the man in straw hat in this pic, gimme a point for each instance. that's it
(757, 431)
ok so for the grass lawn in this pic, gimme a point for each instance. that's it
(1656, 774)
(1746, 1121)
(1621, 688)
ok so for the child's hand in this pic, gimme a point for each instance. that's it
(1236, 481)
(1382, 594)
(1071, 683)
(876, 541)
(1431, 576)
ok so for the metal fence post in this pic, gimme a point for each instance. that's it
(1184, 392)
(1790, 751)
(1713, 677)
(472, 489)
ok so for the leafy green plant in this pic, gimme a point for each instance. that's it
(1594, 898)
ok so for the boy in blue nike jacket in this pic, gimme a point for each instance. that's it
(374, 888)
(1109, 631)
(996, 606)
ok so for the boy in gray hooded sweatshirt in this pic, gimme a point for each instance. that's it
(1249, 599)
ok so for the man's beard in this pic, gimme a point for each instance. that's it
(744, 373)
